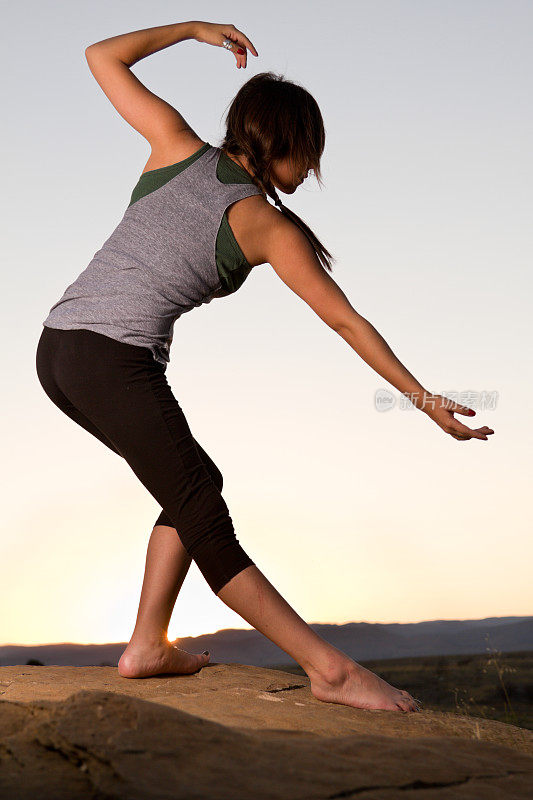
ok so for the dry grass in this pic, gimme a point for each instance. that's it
(493, 685)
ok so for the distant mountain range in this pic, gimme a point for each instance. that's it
(362, 641)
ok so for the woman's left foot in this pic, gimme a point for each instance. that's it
(166, 657)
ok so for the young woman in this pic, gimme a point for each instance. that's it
(197, 223)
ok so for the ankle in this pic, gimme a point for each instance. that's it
(333, 670)
(148, 639)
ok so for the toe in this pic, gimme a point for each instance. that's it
(412, 703)
(407, 703)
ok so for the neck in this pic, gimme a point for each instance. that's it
(242, 161)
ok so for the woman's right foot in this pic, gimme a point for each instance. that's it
(353, 685)
(142, 660)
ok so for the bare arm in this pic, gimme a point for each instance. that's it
(160, 123)
(295, 262)
(110, 61)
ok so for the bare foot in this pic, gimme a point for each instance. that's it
(354, 685)
(138, 661)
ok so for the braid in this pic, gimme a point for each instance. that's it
(277, 201)
(259, 168)
(323, 255)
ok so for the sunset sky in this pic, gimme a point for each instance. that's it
(354, 514)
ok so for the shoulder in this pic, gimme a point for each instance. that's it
(257, 223)
(276, 230)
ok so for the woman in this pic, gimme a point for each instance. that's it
(198, 221)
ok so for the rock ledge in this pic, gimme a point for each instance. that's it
(237, 732)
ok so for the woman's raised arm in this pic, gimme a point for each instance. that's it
(110, 61)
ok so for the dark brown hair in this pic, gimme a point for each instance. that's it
(273, 118)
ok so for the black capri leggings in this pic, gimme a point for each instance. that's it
(119, 393)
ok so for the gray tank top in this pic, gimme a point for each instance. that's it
(159, 262)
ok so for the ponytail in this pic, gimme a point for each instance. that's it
(323, 255)
(259, 170)
(271, 118)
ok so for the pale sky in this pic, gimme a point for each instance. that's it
(353, 514)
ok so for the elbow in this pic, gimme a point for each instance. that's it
(92, 49)
(344, 316)
(89, 52)
(341, 328)
(348, 325)
(101, 49)
(332, 322)
(343, 324)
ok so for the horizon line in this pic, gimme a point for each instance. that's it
(220, 630)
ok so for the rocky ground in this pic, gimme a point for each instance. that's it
(233, 732)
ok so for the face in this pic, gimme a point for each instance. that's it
(285, 177)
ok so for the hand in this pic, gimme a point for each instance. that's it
(440, 409)
(214, 33)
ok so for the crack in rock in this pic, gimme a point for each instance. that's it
(419, 784)
(286, 688)
(79, 756)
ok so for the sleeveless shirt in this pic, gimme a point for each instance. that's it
(172, 251)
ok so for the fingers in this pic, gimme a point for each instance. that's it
(457, 429)
(457, 408)
(463, 432)
(463, 410)
(239, 44)
(240, 54)
(452, 425)
(246, 42)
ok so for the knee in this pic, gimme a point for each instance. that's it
(213, 504)
(164, 519)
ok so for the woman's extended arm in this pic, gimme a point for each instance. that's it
(110, 61)
(291, 255)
